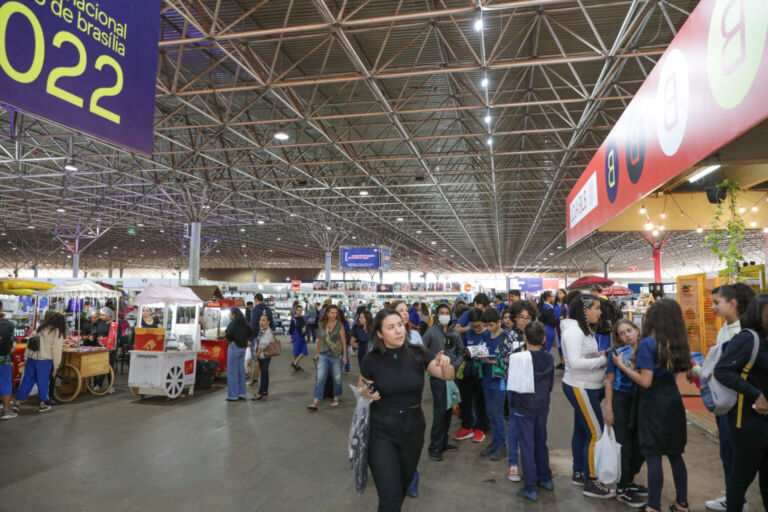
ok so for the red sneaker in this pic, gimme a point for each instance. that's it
(479, 436)
(464, 433)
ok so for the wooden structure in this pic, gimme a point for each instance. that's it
(80, 368)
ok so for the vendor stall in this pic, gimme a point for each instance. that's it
(215, 322)
(83, 367)
(163, 359)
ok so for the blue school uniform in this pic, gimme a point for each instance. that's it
(298, 333)
(494, 391)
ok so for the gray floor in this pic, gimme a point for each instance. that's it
(119, 453)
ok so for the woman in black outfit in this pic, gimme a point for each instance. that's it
(392, 374)
(749, 418)
(148, 319)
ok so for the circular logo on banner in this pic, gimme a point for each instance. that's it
(467, 287)
(672, 102)
(635, 145)
(735, 48)
(612, 170)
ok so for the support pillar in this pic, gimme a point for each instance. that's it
(36, 267)
(381, 276)
(328, 270)
(121, 272)
(75, 264)
(605, 269)
(253, 275)
(409, 278)
(194, 252)
(657, 264)
(566, 280)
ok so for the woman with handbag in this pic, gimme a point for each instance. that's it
(43, 356)
(331, 354)
(265, 339)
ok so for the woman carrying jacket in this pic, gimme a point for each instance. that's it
(583, 386)
(41, 365)
(749, 418)
(237, 334)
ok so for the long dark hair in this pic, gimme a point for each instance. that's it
(326, 313)
(368, 320)
(56, 322)
(417, 353)
(558, 300)
(754, 318)
(240, 319)
(664, 321)
(577, 310)
(741, 293)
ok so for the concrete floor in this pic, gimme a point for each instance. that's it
(119, 453)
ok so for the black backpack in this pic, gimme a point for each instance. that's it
(610, 314)
(6, 337)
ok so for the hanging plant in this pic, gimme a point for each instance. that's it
(724, 241)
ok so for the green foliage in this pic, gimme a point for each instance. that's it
(724, 241)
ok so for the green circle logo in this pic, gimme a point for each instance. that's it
(735, 48)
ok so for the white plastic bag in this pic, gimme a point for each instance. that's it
(520, 374)
(608, 457)
(359, 439)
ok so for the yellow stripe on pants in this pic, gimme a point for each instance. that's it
(586, 411)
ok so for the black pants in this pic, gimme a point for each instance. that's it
(441, 416)
(473, 413)
(397, 437)
(264, 382)
(625, 427)
(750, 455)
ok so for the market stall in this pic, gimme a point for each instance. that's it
(83, 367)
(215, 322)
(163, 359)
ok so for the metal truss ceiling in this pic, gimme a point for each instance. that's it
(384, 97)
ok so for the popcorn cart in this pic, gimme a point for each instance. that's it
(163, 359)
(215, 322)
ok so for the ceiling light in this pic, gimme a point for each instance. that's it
(663, 215)
(259, 222)
(418, 232)
(655, 233)
(218, 250)
(742, 209)
(707, 170)
(70, 166)
(490, 141)
(400, 219)
(765, 230)
(216, 241)
(279, 239)
(162, 231)
(281, 135)
(2, 234)
(433, 242)
(363, 192)
(753, 224)
(484, 83)
(754, 208)
(207, 207)
(478, 24)
(242, 230)
(140, 225)
(328, 228)
(559, 246)
(699, 230)
(661, 227)
(60, 209)
(354, 237)
(115, 247)
(648, 226)
(142, 239)
(242, 245)
(643, 211)
(31, 226)
(487, 119)
(293, 215)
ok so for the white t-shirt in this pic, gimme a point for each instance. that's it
(728, 331)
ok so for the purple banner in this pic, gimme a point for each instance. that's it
(85, 64)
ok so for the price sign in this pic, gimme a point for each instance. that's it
(82, 63)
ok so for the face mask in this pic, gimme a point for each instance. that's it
(444, 319)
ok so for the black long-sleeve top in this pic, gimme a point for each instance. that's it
(735, 358)
(238, 332)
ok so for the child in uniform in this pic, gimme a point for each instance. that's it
(298, 332)
(494, 385)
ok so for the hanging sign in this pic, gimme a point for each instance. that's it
(358, 257)
(707, 89)
(295, 285)
(85, 64)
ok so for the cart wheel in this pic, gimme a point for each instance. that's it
(90, 383)
(68, 383)
(174, 382)
(135, 391)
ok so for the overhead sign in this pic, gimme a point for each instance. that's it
(707, 89)
(359, 257)
(385, 288)
(385, 259)
(85, 64)
(295, 285)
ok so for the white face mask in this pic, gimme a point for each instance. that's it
(444, 319)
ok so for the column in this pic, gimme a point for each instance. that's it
(75, 264)
(253, 275)
(605, 269)
(566, 280)
(409, 277)
(328, 270)
(194, 252)
(381, 275)
(657, 264)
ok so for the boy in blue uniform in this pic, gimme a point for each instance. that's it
(298, 332)
(494, 387)
(531, 412)
(474, 421)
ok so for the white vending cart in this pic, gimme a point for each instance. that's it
(164, 362)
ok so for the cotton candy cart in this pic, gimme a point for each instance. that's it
(163, 360)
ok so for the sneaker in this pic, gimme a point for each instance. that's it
(720, 504)
(578, 478)
(15, 407)
(478, 437)
(513, 473)
(548, 485)
(9, 415)
(463, 433)
(631, 499)
(112, 390)
(636, 489)
(596, 489)
(487, 451)
(436, 456)
(44, 408)
(498, 452)
(560, 366)
(450, 447)
(530, 495)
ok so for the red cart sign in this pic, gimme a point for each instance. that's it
(707, 89)
(295, 286)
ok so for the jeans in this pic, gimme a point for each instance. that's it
(656, 479)
(441, 415)
(726, 444)
(626, 435)
(534, 453)
(311, 333)
(36, 371)
(587, 427)
(347, 367)
(235, 372)
(325, 362)
(264, 382)
(750, 456)
(512, 435)
(494, 405)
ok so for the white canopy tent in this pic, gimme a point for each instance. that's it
(165, 294)
(77, 288)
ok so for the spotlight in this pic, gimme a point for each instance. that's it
(643, 211)
(281, 135)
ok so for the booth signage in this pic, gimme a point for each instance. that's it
(716, 68)
(530, 284)
(295, 285)
(87, 65)
(359, 257)
(385, 288)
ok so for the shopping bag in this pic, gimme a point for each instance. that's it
(520, 375)
(452, 394)
(359, 438)
(608, 457)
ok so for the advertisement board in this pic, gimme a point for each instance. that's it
(385, 260)
(707, 89)
(88, 65)
(358, 257)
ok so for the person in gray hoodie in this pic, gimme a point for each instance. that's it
(442, 336)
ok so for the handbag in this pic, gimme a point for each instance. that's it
(273, 349)
(33, 343)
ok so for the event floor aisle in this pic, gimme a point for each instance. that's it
(118, 453)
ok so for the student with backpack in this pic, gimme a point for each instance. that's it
(743, 368)
(494, 386)
(728, 303)
(661, 421)
(531, 412)
(6, 359)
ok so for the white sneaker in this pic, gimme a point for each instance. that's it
(720, 504)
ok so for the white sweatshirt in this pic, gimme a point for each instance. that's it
(728, 331)
(583, 367)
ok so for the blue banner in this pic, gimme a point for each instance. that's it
(531, 284)
(386, 259)
(359, 257)
(85, 64)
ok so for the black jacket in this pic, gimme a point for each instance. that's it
(239, 333)
(435, 340)
(547, 317)
(98, 330)
(735, 358)
(6, 336)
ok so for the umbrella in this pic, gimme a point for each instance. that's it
(618, 291)
(586, 282)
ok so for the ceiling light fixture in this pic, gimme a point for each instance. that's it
(60, 209)
(707, 170)
(648, 226)
(242, 230)
(643, 211)
(259, 222)
(484, 83)
(281, 135)
(478, 24)
(754, 208)
(487, 119)
(70, 166)
(400, 219)
(363, 192)
(753, 224)
(661, 227)
(699, 230)
(433, 242)
(742, 210)
(490, 141)
(655, 233)
(663, 215)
